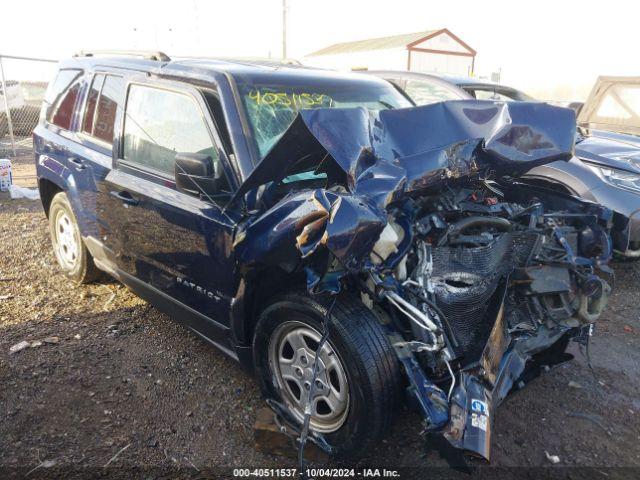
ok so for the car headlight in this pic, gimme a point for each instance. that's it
(618, 178)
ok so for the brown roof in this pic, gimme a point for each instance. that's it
(382, 43)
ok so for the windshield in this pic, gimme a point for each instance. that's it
(271, 108)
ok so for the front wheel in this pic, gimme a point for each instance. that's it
(357, 381)
(71, 253)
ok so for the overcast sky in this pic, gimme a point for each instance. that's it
(558, 47)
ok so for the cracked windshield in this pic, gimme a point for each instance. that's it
(271, 108)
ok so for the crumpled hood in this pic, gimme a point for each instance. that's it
(609, 153)
(382, 159)
(387, 153)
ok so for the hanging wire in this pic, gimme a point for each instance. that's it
(304, 433)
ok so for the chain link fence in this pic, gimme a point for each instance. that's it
(23, 84)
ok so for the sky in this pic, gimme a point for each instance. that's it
(552, 49)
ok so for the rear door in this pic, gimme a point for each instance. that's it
(73, 146)
(174, 247)
(55, 136)
(91, 158)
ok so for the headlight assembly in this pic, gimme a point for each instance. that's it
(618, 178)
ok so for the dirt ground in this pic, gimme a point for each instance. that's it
(121, 377)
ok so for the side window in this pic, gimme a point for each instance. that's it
(424, 93)
(102, 104)
(61, 98)
(218, 116)
(110, 98)
(92, 101)
(160, 123)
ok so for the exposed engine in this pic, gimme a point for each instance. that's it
(473, 250)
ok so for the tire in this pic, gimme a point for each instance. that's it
(70, 251)
(365, 359)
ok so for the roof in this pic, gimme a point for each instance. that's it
(206, 69)
(381, 43)
(184, 65)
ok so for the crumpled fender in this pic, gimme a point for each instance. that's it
(301, 223)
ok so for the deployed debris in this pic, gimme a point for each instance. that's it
(44, 464)
(270, 438)
(116, 455)
(33, 344)
(21, 192)
(552, 458)
(19, 346)
(592, 418)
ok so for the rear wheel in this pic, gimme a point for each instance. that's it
(357, 381)
(71, 253)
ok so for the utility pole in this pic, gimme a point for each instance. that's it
(284, 29)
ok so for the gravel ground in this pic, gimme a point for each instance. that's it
(119, 374)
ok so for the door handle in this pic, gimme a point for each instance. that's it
(78, 164)
(125, 197)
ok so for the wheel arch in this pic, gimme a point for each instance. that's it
(254, 291)
(48, 189)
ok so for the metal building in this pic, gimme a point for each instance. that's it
(428, 51)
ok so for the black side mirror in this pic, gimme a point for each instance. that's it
(194, 173)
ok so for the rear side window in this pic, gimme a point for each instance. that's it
(160, 123)
(92, 101)
(61, 98)
(105, 96)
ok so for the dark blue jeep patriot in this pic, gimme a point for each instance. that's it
(341, 243)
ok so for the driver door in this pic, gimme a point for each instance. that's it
(171, 247)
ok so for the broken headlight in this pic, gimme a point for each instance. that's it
(618, 178)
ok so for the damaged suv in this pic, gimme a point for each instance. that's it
(343, 245)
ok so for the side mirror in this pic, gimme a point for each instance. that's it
(194, 173)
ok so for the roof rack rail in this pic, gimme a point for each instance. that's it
(146, 54)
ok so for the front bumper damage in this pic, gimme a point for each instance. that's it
(462, 411)
(480, 392)
(479, 279)
(464, 417)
